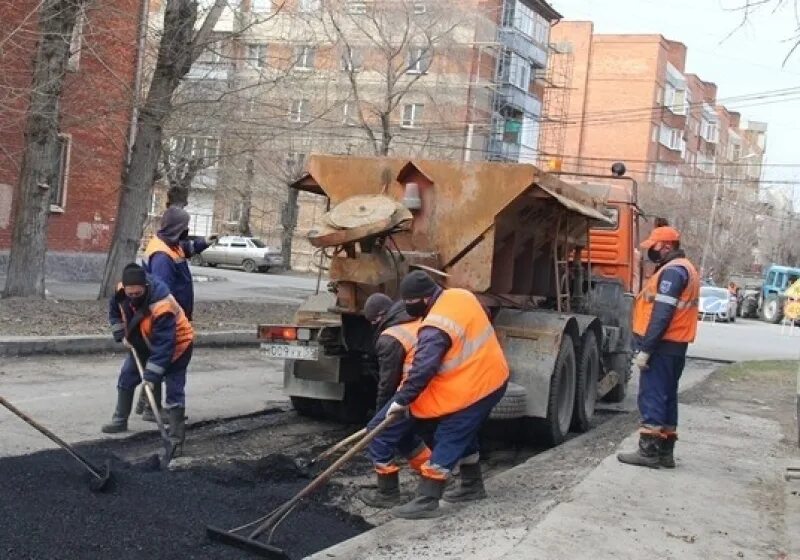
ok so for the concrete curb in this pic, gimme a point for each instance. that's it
(98, 344)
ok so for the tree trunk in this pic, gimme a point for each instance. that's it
(289, 222)
(41, 158)
(177, 51)
(244, 218)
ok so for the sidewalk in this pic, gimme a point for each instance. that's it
(726, 499)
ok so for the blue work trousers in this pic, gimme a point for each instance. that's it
(658, 391)
(455, 438)
(174, 378)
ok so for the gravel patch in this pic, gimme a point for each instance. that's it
(26, 317)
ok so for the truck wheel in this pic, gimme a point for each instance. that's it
(512, 405)
(772, 312)
(621, 363)
(307, 407)
(553, 429)
(358, 399)
(249, 265)
(588, 374)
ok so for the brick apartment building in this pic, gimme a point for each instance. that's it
(96, 113)
(283, 89)
(632, 100)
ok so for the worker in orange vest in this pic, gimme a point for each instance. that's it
(458, 373)
(664, 323)
(167, 256)
(145, 316)
(394, 348)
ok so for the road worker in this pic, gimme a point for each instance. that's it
(166, 258)
(394, 346)
(457, 374)
(147, 318)
(664, 323)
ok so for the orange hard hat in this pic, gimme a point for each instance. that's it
(661, 234)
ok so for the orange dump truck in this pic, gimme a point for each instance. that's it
(554, 262)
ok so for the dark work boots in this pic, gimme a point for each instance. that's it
(666, 452)
(147, 413)
(119, 421)
(387, 494)
(426, 503)
(470, 487)
(648, 454)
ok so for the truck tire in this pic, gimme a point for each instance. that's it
(307, 407)
(553, 429)
(587, 376)
(772, 312)
(512, 405)
(622, 364)
(353, 409)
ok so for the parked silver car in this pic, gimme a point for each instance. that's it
(716, 304)
(248, 252)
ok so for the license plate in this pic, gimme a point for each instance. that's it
(290, 352)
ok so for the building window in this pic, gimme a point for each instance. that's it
(419, 60)
(675, 99)
(525, 20)
(352, 59)
(516, 70)
(709, 131)
(412, 115)
(299, 111)
(420, 8)
(58, 191)
(261, 6)
(310, 6)
(295, 162)
(75, 43)
(235, 211)
(257, 55)
(304, 57)
(356, 7)
(349, 113)
(672, 138)
(202, 149)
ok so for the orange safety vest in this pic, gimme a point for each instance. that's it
(683, 326)
(184, 333)
(473, 367)
(156, 245)
(406, 335)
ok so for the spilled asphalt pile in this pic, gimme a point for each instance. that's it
(48, 511)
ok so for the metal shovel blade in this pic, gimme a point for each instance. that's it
(103, 482)
(252, 546)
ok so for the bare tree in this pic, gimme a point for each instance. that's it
(40, 164)
(179, 48)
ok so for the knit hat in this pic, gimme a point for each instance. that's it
(173, 223)
(376, 305)
(417, 284)
(134, 275)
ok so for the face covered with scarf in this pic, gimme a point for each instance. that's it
(174, 225)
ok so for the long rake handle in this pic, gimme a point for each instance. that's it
(47, 433)
(150, 397)
(345, 442)
(322, 478)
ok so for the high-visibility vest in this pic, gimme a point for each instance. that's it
(184, 333)
(157, 245)
(406, 335)
(473, 367)
(683, 326)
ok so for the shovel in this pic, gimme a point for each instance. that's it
(100, 477)
(169, 448)
(271, 521)
(305, 466)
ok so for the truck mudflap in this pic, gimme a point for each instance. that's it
(531, 341)
(304, 385)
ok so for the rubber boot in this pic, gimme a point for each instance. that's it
(470, 487)
(426, 503)
(647, 455)
(140, 404)
(147, 414)
(119, 421)
(177, 429)
(666, 452)
(387, 494)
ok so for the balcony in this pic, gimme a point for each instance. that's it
(209, 71)
(511, 95)
(503, 151)
(522, 44)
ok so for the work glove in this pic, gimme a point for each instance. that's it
(398, 409)
(151, 377)
(640, 360)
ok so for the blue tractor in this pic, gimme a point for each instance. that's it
(771, 297)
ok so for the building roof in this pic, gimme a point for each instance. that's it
(544, 9)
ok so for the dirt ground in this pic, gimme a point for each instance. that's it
(24, 317)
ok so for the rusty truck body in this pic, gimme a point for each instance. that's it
(554, 263)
